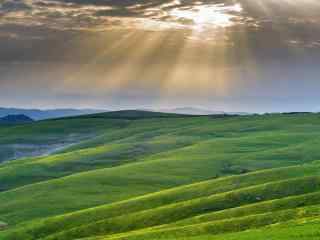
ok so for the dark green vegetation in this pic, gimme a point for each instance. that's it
(141, 175)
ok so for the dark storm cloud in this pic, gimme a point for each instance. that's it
(14, 6)
(116, 3)
(118, 12)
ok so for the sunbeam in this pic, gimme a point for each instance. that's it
(159, 49)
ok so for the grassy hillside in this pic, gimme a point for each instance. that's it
(44, 137)
(140, 175)
(301, 229)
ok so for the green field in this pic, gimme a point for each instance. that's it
(142, 175)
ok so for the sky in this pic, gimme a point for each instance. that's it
(224, 55)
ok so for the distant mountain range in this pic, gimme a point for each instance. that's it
(196, 111)
(9, 119)
(37, 114)
(191, 110)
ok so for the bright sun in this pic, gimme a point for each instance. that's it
(204, 16)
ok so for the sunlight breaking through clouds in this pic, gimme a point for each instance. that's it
(157, 15)
(199, 17)
(159, 49)
(207, 16)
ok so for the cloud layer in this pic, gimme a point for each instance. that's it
(294, 24)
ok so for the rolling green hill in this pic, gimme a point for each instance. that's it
(143, 175)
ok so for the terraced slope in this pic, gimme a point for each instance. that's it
(153, 176)
(302, 229)
(275, 196)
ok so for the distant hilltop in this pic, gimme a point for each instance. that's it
(196, 111)
(19, 118)
(37, 114)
